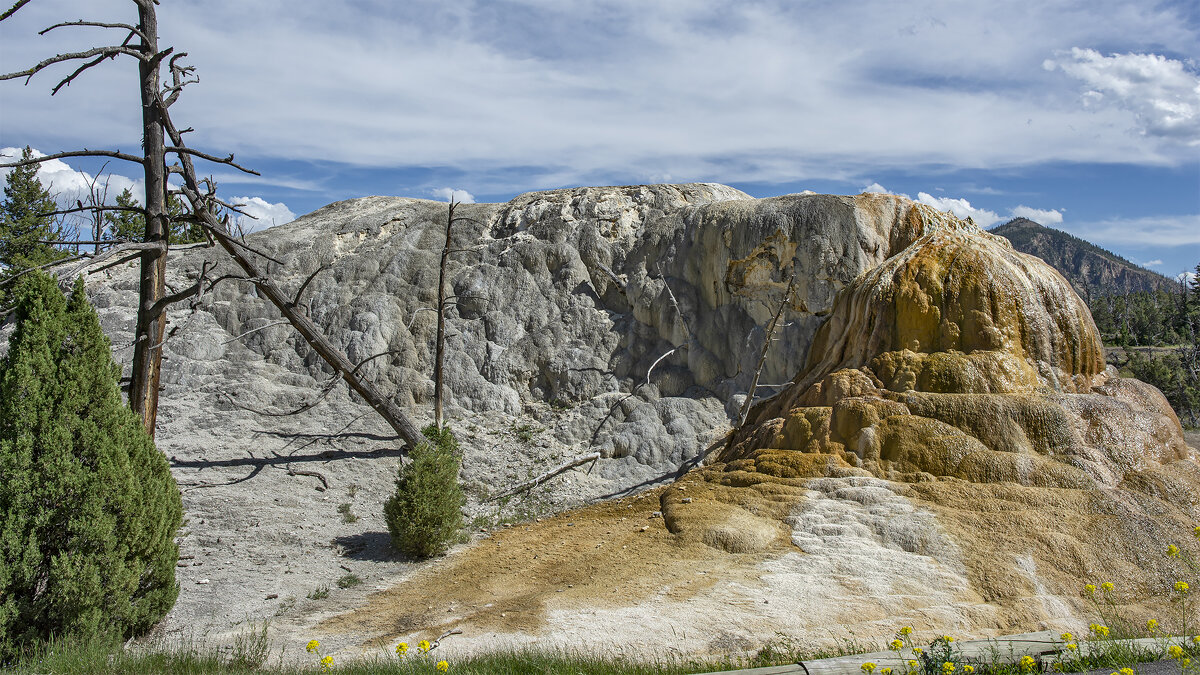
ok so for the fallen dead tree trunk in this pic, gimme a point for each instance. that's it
(534, 482)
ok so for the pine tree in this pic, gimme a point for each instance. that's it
(126, 225)
(22, 225)
(131, 225)
(424, 516)
(88, 507)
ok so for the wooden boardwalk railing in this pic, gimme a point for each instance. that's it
(1008, 648)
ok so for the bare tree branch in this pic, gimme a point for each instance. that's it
(102, 52)
(300, 292)
(762, 358)
(13, 10)
(80, 209)
(534, 482)
(179, 150)
(255, 330)
(75, 153)
(95, 24)
(92, 259)
(60, 261)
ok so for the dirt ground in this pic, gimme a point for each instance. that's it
(612, 555)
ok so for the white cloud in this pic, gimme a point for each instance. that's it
(961, 208)
(1040, 216)
(265, 214)
(1152, 263)
(876, 188)
(775, 95)
(460, 196)
(69, 185)
(1163, 94)
(1166, 231)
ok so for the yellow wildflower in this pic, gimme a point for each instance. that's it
(896, 645)
(1027, 663)
(968, 669)
(912, 663)
(1175, 652)
(947, 638)
(423, 646)
(1098, 630)
(1173, 551)
(1107, 587)
(918, 651)
(1196, 640)
(907, 630)
(1071, 646)
(312, 646)
(1184, 663)
(885, 671)
(1152, 626)
(442, 666)
(868, 667)
(1127, 671)
(1182, 587)
(947, 668)
(401, 649)
(1067, 637)
(1196, 531)
(1090, 588)
(327, 663)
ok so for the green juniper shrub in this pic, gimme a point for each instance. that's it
(425, 515)
(88, 507)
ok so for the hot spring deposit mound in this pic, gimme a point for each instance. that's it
(944, 446)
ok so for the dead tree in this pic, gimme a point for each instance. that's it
(744, 414)
(141, 43)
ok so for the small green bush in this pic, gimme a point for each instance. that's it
(425, 515)
(88, 507)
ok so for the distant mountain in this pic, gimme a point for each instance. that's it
(1092, 270)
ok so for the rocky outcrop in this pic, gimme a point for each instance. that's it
(959, 387)
(566, 298)
(945, 449)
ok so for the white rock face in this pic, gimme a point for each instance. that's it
(563, 297)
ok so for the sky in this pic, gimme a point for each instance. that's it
(1080, 115)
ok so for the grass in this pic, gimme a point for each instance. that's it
(319, 593)
(251, 654)
(66, 658)
(349, 581)
(347, 515)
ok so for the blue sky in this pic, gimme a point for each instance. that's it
(1084, 116)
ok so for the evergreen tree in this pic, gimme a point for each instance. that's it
(131, 225)
(126, 225)
(88, 507)
(424, 516)
(22, 226)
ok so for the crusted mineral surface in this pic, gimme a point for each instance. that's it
(945, 448)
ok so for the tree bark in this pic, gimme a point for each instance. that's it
(151, 317)
(312, 334)
(440, 348)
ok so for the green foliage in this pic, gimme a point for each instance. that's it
(1160, 332)
(88, 507)
(425, 515)
(348, 580)
(21, 228)
(131, 225)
